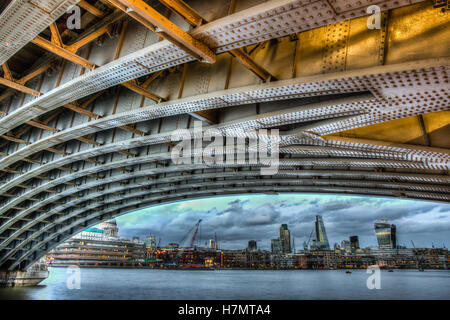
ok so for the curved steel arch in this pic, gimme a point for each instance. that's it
(162, 199)
(272, 92)
(243, 178)
(319, 162)
(55, 183)
(373, 189)
(155, 139)
(222, 35)
(303, 174)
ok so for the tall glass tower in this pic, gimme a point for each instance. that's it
(277, 245)
(321, 235)
(386, 235)
(285, 234)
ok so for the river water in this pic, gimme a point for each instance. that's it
(98, 283)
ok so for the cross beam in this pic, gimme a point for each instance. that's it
(170, 31)
(57, 47)
(19, 84)
(91, 9)
(195, 19)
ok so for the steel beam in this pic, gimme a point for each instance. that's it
(16, 86)
(23, 20)
(169, 30)
(351, 81)
(64, 53)
(216, 34)
(196, 20)
(91, 9)
(328, 178)
(316, 162)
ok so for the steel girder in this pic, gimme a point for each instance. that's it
(316, 162)
(23, 20)
(373, 111)
(249, 182)
(267, 21)
(389, 158)
(372, 179)
(338, 147)
(432, 158)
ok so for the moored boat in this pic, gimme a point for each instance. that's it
(31, 277)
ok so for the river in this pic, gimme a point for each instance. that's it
(96, 283)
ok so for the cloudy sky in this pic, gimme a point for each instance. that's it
(237, 219)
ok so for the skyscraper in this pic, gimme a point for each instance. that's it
(386, 234)
(285, 235)
(277, 245)
(354, 242)
(321, 241)
(345, 245)
(252, 246)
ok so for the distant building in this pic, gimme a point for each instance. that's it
(98, 247)
(285, 235)
(252, 246)
(110, 229)
(91, 234)
(173, 246)
(212, 244)
(354, 242)
(386, 235)
(345, 245)
(151, 241)
(321, 241)
(136, 240)
(277, 245)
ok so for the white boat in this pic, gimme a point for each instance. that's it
(31, 277)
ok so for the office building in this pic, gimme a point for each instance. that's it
(345, 245)
(285, 235)
(252, 246)
(277, 245)
(354, 242)
(321, 241)
(386, 235)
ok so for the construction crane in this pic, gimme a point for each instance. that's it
(191, 244)
(197, 225)
(306, 244)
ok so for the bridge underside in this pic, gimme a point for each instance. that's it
(87, 114)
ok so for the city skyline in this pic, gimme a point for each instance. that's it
(258, 217)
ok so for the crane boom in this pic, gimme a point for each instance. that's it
(191, 246)
(306, 244)
(195, 234)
